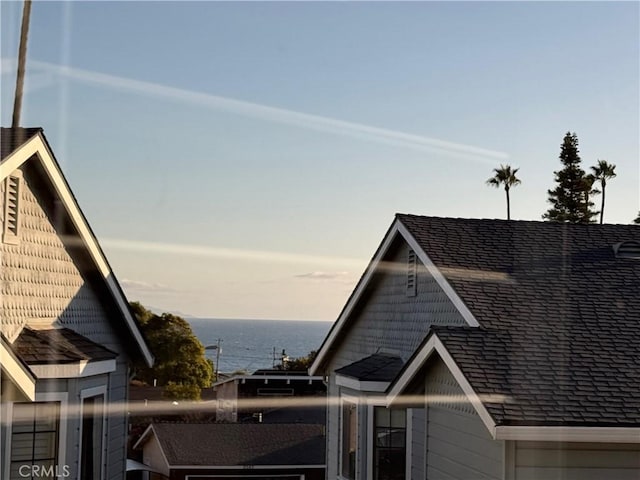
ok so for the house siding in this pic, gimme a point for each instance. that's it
(459, 445)
(576, 461)
(389, 320)
(42, 285)
(418, 448)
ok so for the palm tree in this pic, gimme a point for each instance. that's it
(506, 176)
(603, 171)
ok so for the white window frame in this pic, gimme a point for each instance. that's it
(354, 400)
(88, 393)
(382, 402)
(63, 399)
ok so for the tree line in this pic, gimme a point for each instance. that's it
(571, 199)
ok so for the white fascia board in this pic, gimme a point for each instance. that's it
(361, 386)
(397, 228)
(435, 345)
(19, 374)
(143, 437)
(569, 434)
(37, 146)
(355, 297)
(74, 370)
(438, 277)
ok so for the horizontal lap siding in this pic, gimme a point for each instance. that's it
(569, 461)
(418, 435)
(458, 443)
(389, 320)
(43, 284)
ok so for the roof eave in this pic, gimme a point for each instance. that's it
(38, 146)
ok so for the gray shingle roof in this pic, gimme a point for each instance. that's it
(11, 138)
(378, 367)
(559, 316)
(39, 347)
(230, 444)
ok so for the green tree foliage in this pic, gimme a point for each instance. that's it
(298, 364)
(602, 172)
(570, 201)
(505, 175)
(180, 362)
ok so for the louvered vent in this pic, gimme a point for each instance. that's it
(412, 279)
(12, 209)
(630, 249)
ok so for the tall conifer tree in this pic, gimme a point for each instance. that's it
(570, 201)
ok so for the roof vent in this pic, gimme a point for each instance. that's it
(629, 249)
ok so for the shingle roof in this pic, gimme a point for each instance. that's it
(39, 347)
(230, 444)
(559, 316)
(378, 367)
(11, 138)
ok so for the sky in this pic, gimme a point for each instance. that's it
(244, 160)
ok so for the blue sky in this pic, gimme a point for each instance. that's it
(244, 160)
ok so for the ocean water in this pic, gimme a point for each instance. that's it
(249, 344)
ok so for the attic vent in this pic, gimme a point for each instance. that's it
(11, 228)
(412, 279)
(630, 249)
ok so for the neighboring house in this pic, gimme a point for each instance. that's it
(184, 451)
(488, 349)
(67, 337)
(246, 396)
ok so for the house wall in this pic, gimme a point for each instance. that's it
(152, 456)
(418, 447)
(387, 320)
(575, 461)
(458, 444)
(227, 402)
(42, 285)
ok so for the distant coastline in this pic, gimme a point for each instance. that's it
(249, 344)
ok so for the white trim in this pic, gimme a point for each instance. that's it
(408, 444)
(355, 296)
(143, 437)
(88, 393)
(435, 345)
(361, 386)
(438, 277)
(17, 372)
(37, 146)
(63, 399)
(570, 434)
(346, 398)
(397, 228)
(80, 369)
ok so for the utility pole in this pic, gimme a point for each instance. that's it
(218, 359)
(22, 60)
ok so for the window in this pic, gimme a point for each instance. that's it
(11, 227)
(34, 438)
(389, 447)
(349, 439)
(92, 432)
